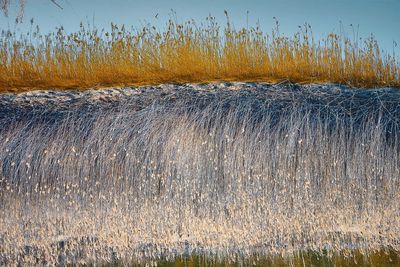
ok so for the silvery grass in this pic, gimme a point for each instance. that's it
(236, 171)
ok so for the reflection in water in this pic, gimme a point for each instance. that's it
(187, 173)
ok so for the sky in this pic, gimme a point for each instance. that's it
(379, 17)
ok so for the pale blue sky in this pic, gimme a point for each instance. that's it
(380, 17)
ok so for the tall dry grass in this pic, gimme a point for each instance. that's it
(188, 52)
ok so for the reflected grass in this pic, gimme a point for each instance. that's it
(385, 257)
(280, 170)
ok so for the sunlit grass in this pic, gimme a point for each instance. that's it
(188, 52)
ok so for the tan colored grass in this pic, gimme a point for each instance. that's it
(188, 53)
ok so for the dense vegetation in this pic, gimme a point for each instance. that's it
(188, 52)
(218, 171)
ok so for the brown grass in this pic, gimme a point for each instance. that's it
(188, 53)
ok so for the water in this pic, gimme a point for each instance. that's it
(221, 171)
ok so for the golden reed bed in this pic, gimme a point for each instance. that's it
(188, 52)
